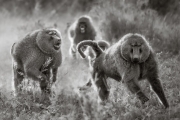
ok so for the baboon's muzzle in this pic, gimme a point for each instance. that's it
(135, 60)
(57, 43)
(82, 30)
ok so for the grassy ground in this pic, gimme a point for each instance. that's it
(67, 102)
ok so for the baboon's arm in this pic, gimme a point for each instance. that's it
(32, 65)
(130, 73)
(134, 88)
(35, 74)
(130, 78)
(58, 61)
(157, 87)
(54, 71)
(154, 80)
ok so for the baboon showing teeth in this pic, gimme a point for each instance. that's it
(82, 29)
(131, 59)
(38, 57)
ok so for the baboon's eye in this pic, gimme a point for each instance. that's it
(140, 50)
(54, 32)
(50, 33)
(131, 50)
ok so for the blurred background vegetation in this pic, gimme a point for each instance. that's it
(28, 6)
(157, 20)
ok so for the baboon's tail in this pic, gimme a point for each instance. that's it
(103, 44)
(91, 43)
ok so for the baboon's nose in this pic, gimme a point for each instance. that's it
(135, 60)
(58, 41)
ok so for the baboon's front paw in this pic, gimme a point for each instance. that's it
(142, 97)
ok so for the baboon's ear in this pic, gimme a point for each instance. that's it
(103, 44)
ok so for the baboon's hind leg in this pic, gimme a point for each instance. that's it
(18, 78)
(157, 87)
(133, 86)
(45, 85)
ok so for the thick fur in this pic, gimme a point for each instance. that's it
(75, 34)
(131, 59)
(38, 57)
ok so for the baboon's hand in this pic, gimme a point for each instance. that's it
(42, 77)
(142, 97)
(35, 74)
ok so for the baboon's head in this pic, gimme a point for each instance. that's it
(135, 48)
(49, 40)
(82, 27)
(84, 23)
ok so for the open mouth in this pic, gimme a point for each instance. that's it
(82, 30)
(135, 61)
(57, 46)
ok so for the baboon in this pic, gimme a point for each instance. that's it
(37, 56)
(81, 29)
(89, 52)
(130, 59)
